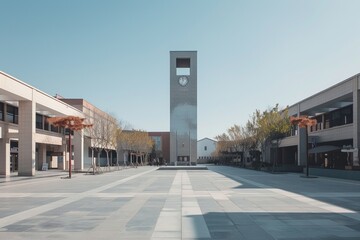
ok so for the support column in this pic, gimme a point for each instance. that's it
(302, 146)
(78, 143)
(5, 157)
(356, 119)
(26, 138)
(302, 143)
(42, 155)
(62, 162)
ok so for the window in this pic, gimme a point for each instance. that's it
(12, 114)
(347, 114)
(157, 142)
(46, 124)
(1, 111)
(54, 129)
(205, 148)
(183, 66)
(95, 152)
(39, 121)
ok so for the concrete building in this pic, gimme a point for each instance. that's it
(97, 117)
(183, 107)
(27, 142)
(206, 147)
(334, 142)
(162, 146)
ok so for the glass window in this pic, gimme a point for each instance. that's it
(157, 142)
(54, 129)
(39, 121)
(12, 114)
(347, 114)
(46, 123)
(1, 111)
(205, 148)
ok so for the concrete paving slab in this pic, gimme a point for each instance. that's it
(142, 203)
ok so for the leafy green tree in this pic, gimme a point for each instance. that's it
(273, 125)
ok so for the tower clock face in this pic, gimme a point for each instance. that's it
(183, 81)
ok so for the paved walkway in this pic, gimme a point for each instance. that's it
(143, 203)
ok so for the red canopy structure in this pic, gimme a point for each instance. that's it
(72, 123)
(304, 122)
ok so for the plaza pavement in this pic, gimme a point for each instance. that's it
(144, 203)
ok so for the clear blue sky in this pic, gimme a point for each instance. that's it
(115, 54)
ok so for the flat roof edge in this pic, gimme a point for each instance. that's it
(35, 89)
(326, 89)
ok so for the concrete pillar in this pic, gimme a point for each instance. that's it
(302, 143)
(302, 146)
(356, 120)
(26, 138)
(78, 142)
(5, 156)
(61, 161)
(42, 155)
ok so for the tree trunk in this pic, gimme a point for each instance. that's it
(107, 159)
(98, 157)
(306, 151)
(117, 159)
(92, 160)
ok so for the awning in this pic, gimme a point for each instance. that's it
(321, 149)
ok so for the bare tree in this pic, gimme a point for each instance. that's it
(123, 139)
(137, 143)
(96, 144)
(109, 131)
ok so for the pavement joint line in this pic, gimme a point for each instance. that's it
(5, 221)
(28, 181)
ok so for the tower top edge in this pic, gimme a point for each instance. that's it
(183, 51)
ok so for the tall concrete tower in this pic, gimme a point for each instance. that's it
(183, 107)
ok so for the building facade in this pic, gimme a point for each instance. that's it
(27, 141)
(183, 107)
(89, 148)
(333, 143)
(161, 146)
(206, 148)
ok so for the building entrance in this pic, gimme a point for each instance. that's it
(183, 160)
(13, 162)
(14, 149)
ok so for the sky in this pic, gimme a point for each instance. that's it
(115, 53)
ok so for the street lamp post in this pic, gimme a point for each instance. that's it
(304, 122)
(72, 123)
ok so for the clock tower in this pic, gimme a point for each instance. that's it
(183, 107)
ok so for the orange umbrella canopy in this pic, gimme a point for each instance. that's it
(302, 121)
(72, 122)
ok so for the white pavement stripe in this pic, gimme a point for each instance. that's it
(181, 217)
(168, 224)
(193, 222)
(48, 207)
